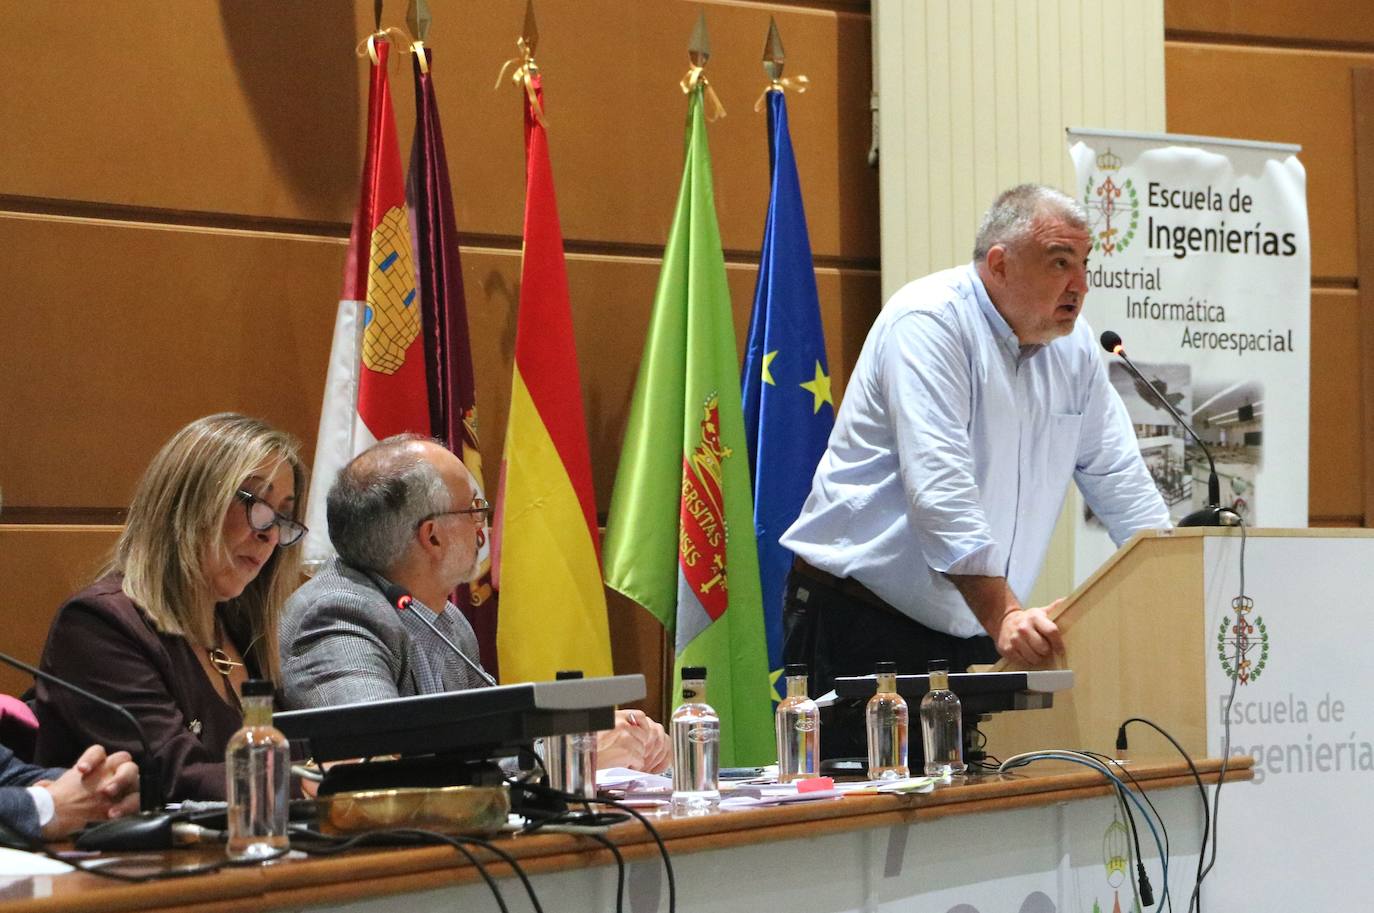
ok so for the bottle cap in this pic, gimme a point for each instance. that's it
(257, 687)
(938, 665)
(881, 667)
(564, 675)
(694, 673)
(792, 669)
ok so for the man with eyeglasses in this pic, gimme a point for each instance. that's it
(403, 516)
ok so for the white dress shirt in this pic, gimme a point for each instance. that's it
(953, 449)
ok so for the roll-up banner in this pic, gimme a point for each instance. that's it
(1201, 263)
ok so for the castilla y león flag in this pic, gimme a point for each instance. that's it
(376, 382)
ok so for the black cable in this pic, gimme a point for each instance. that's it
(620, 870)
(333, 844)
(653, 832)
(515, 867)
(1164, 828)
(1135, 832)
(1201, 789)
(1226, 733)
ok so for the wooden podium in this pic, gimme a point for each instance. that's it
(1134, 637)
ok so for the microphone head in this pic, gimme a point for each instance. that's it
(1111, 341)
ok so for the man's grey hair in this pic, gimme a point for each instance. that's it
(1009, 218)
(379, 498)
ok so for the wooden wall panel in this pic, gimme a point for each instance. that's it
(40, 566)
(118, 335)
(1334, 21)
(1281, 95)
(108, 102)
(273, 100)
(157, 326)
(1336, 484)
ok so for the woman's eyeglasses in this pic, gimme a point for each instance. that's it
(262, 517)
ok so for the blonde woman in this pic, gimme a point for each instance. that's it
(187, 610)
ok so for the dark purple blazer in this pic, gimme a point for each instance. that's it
(101, 641)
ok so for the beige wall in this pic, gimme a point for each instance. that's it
(974, 97)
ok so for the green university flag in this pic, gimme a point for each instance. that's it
(680, 537)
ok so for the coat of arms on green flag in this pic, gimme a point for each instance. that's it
(680, 537)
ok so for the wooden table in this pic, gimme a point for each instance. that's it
(843, 854)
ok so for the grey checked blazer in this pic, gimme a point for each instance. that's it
(343, 643)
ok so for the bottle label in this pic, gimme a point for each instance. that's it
(702, 735)
(805, 724)
(690, 694)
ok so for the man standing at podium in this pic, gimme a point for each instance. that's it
(978, 395)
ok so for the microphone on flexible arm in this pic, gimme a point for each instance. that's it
(149, 771)
(150, 829)
(401, 599)
(1213, 514)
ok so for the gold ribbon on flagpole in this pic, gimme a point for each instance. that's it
(418, 49)
(524, 76)
(696, 77)
(798, 83)
(368, 46)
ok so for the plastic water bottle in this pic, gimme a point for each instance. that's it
(257, 769)
(571, 759)
(696, 748)
(942, 725)
(886, 719)
(798, 728)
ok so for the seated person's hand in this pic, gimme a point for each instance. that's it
(97, 787)
(636, 742)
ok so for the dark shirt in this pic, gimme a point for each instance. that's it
(101, 641)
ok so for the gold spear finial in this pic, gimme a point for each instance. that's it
(699, 51)
(419, 19)
(530, 32)
(773, 59)
(772, 52)
(699, 47)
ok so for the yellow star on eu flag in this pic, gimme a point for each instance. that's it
(768, 360)
(819, 388)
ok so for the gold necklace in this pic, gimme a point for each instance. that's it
(220, 659)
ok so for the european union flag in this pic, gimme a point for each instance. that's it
(788, 409)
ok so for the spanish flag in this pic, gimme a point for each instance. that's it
(553, 606)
